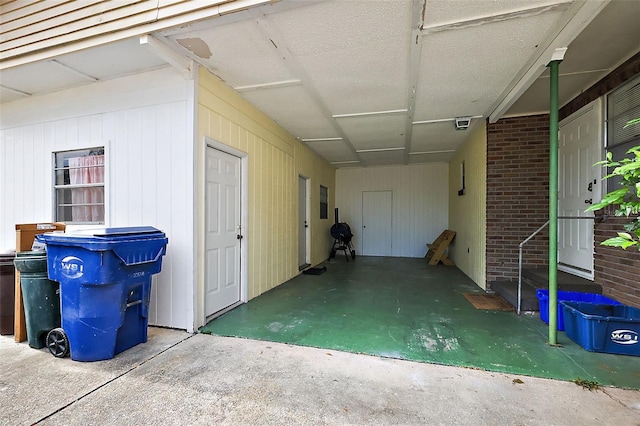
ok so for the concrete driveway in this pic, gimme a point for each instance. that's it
(179, 378)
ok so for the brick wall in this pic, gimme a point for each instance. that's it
(617, 270)
(517, 194)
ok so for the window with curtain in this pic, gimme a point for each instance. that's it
(79, 186)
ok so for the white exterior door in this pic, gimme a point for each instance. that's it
(303, 224)
(579, 145)
(223, 233)
(376, 223)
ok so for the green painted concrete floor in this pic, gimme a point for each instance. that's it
(403, 308)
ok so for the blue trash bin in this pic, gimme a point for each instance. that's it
(105, 286)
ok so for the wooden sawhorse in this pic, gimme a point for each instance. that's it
(437, 249)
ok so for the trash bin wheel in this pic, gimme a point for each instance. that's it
(58, 343)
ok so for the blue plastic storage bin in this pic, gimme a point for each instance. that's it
(569, 296)
(612, 329)
(105, 286)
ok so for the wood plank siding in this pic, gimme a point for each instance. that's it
(54, 27)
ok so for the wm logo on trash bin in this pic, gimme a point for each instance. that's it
(72, 267)
(624, 337)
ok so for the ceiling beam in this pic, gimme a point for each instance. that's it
(15, 91)
(490, 19)
(413, 72)
(73, 71)
(573, 21)
(164, 52)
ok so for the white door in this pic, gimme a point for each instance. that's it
(303, 224)
(376, 223)
(579, 146)
(223, 233)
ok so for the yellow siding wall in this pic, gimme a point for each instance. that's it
(275, 160)
(467, 213)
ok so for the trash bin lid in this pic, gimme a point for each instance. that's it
(133, 245)
(123, 231)
(101, 238)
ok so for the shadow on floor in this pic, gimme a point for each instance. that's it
(403, 308)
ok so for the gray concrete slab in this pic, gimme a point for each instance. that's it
(177, 378)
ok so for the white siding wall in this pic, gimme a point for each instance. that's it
(420, 203)
(145, 124)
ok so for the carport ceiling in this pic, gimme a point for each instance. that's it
(366, 83)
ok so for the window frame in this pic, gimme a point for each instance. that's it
(618, 148)
(324, 202)
(57, 187)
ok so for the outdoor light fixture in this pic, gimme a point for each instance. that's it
(462, 123)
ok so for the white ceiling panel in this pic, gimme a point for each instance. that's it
(375, 131)
(438, 136)
(115, 59)
(536, 99)
(9, 95)
(458, 76)
(330, 57)
(40, 77)
(381, 85)
(294, 109)
(240, 54)
(332, 150)
(383, 158)
(332, 26)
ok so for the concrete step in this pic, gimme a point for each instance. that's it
(509, 291)
(539, 278)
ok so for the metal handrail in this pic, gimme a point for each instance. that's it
(526, 240)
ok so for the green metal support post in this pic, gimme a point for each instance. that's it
(553, 203)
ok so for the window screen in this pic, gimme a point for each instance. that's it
(79, 186)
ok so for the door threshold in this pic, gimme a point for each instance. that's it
(222, 311)
(574, 270)
(303, 267)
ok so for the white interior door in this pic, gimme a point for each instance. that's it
(303, 223)
(376, 223)
(223, 233)
(579, 147)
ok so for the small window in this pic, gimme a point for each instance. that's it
(463, 179)
(79, 186)
(623, 105)
(324, 202)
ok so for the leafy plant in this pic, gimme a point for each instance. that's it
(587, 384)
(626, 199)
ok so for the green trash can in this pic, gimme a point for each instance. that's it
(40, 296)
